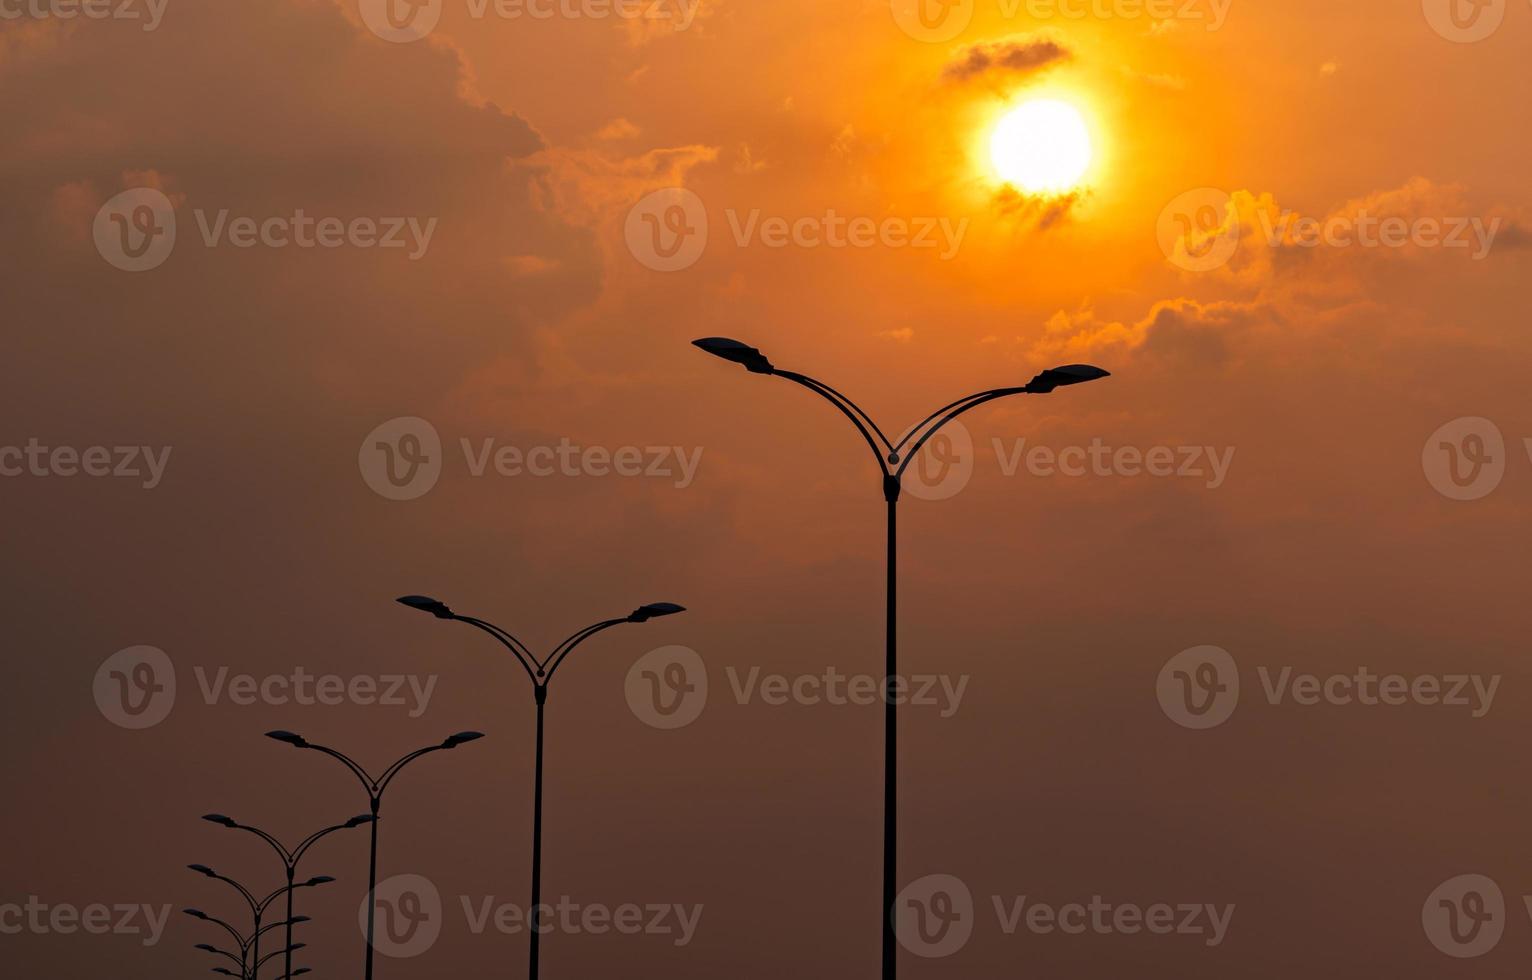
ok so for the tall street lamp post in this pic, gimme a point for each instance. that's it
(290, 859)
(540, 673)
(374, 788)
(893, 460)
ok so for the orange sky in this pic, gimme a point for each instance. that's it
(1319, 375)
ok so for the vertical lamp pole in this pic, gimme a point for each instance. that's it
(290, 859)
(540, 672)
(374, 788)
(893, 460)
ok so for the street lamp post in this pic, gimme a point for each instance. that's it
(290, 859)
(374, 788)
(258, 909)
(540, 673)
(892, 461)
(242, 942)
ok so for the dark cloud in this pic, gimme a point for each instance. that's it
(1022, 54)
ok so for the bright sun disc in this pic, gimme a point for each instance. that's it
(1041, 146)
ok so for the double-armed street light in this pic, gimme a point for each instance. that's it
(374, 788)
(258, 909)
(290, 859)
(243, 943)
(893, 459)
(540, 673)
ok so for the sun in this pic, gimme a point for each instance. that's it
(1042, 147)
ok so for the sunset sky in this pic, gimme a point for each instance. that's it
(1301, 244)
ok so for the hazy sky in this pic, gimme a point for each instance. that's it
(313, 304)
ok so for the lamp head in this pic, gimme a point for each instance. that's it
(220, 820)
(357, 821)
(196, 914)
(654, 610)
(317, 880)
(740, 353)
(1069, 374)
(203, 869)
(291, 738)
(427, 604)
(453, 741)
(206, 948)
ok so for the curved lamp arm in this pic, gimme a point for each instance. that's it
(204, 917)
(393, 770)
(523, 655)
(847, 408)
(255, 907)
(952, 411)
(220, 952)
(316, 837)
(368, 783)
(564, 649)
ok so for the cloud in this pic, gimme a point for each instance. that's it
(617, 129)
(1020, 55)
(1038, 211)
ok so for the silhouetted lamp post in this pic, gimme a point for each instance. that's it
(374, 788)
(258, 910)
(540, 673)
(290, 859)
(245, 971)
(893, 460)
